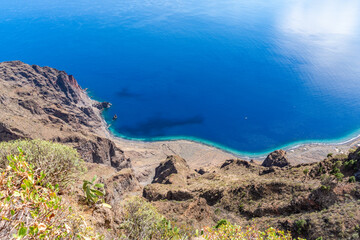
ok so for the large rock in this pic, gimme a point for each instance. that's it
(7, 134)
(277, 159)
(99, 150)
(173, 170)
(119, 184)
(157, 192)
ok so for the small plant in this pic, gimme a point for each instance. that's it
(241, 207)
(300, 225)
(357, 228)
(325, 188)
(337, 164)
(306, 171)
(329, 155)
(243, 194)
(339, 176)
(94, 191)
(352, 179)
(351, 164)
(320, 169)
(335, 171)
(221, 222)
(217, 211)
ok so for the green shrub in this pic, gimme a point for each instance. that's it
(300, 225)
(335, 170)
(357, 228)
(221, 222)
(94, 192)
(352, 179)
(306, 171)
(140, 220)
(31, 208)
(337, 164)
(351, 164)
(241, 207)
(229, 231)
(321, 169)
(327, 182)
(61, 164)
(330, 155)
(339, 176)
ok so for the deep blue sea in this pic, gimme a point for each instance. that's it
(246, 75)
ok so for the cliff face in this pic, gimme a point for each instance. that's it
(45, 103)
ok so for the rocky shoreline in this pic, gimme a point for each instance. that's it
(42, 102)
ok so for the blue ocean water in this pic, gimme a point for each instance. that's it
(246, 75)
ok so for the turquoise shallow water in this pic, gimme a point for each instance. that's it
(246, 76)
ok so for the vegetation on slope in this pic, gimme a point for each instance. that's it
(61, 164)
(225, 230)
(33, 207)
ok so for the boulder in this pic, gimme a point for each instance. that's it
(277, 158)
(200, 171)
(102, 105)
(173, 170)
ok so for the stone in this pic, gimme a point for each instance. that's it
(173, 170)
(277, 159)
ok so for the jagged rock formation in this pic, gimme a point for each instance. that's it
(277, 159)
(45, 103)
(173, 170)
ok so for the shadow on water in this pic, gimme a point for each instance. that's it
(155, 125)
(125, 93)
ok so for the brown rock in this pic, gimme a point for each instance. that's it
(119, 184)
(277, 159)
(173, 170)
(7, 134)
(199, 210)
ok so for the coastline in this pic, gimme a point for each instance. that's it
(302, 151)
(202, 153)
(73, 116)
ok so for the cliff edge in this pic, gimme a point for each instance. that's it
(45, 103)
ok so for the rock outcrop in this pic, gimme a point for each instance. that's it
(45, 103)
(173, 170)
(120, 183)
(7, 134)
(276, 159)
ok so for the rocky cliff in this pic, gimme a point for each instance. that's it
(45, 103)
